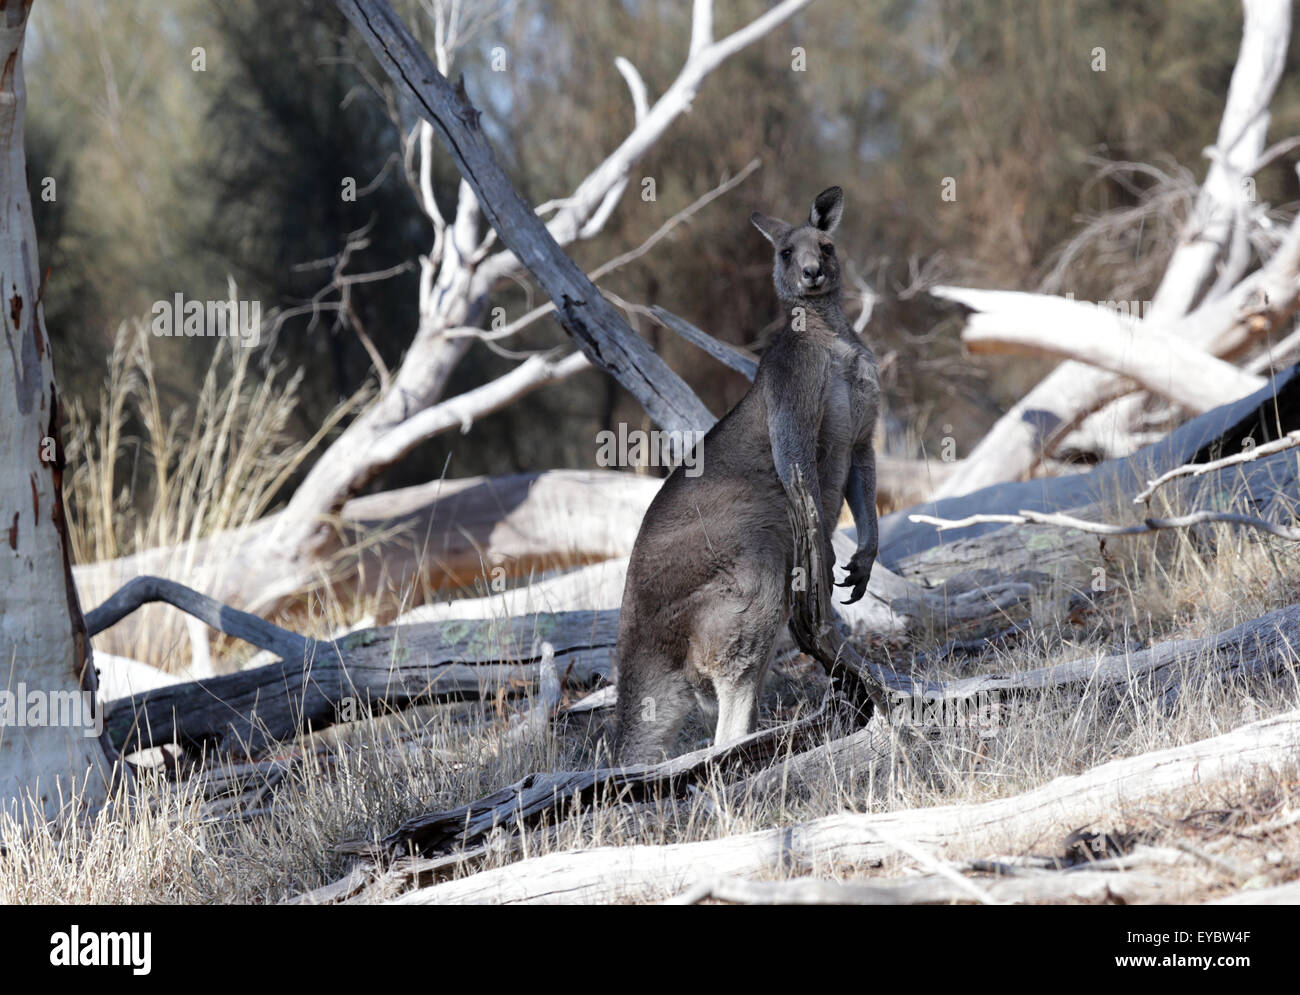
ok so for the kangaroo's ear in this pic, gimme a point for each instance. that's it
(772, 229)
(826, 209)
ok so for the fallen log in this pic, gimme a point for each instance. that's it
(1262, 417)
(1233, 310)
(438, 536)
(1281, 894)
(1259, 646)
(394, 667)
(1123, 887)
(846, 759)
(648, 873)
(375, 669)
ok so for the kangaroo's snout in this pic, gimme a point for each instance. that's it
(813, 277)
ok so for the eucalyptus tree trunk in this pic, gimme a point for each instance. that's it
(49, 749)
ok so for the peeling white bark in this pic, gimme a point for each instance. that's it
(44, 652)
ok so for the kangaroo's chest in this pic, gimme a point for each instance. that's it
(853, 392)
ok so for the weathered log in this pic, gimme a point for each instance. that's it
(397, 666)
(454, 534)
(383, 668)
(593, 587)
(1230, 313)
(1259, 646)
(845, 759)
(1262, 417)
(647, 873)
(1124, 887)
(1280, 894)
(438, 536)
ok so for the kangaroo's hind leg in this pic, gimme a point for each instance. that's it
(739, 693)
(743, 654)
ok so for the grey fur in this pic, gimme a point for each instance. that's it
(708, 584)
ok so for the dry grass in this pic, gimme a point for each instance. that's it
(159, 843)
(145, 481)
(141, 480)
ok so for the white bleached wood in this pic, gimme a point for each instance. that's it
(933, 889)
(1038, 325)
(648, 873)
(456, 277)
(1045, 416)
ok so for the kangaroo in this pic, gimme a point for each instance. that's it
(708, 583)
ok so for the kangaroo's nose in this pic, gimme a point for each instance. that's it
(811, 273)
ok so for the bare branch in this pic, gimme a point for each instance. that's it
(256, 631)
(1288, 441)
(604, 269)
(723, 353)
(464, 409)
(640, 102)
(572, 220)
(701, 26)
(595, 324)
(1100, 528)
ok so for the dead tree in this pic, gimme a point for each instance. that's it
(265, 566)
(1205, 301)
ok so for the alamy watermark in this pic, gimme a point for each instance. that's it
(22, 707)
(179, 317)
(654, 448)
(985, 712)
(1122, 309)
(92, 948)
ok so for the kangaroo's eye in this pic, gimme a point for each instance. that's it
(786, 254)
(828, 249)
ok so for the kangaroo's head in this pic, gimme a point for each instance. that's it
(805, 263)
